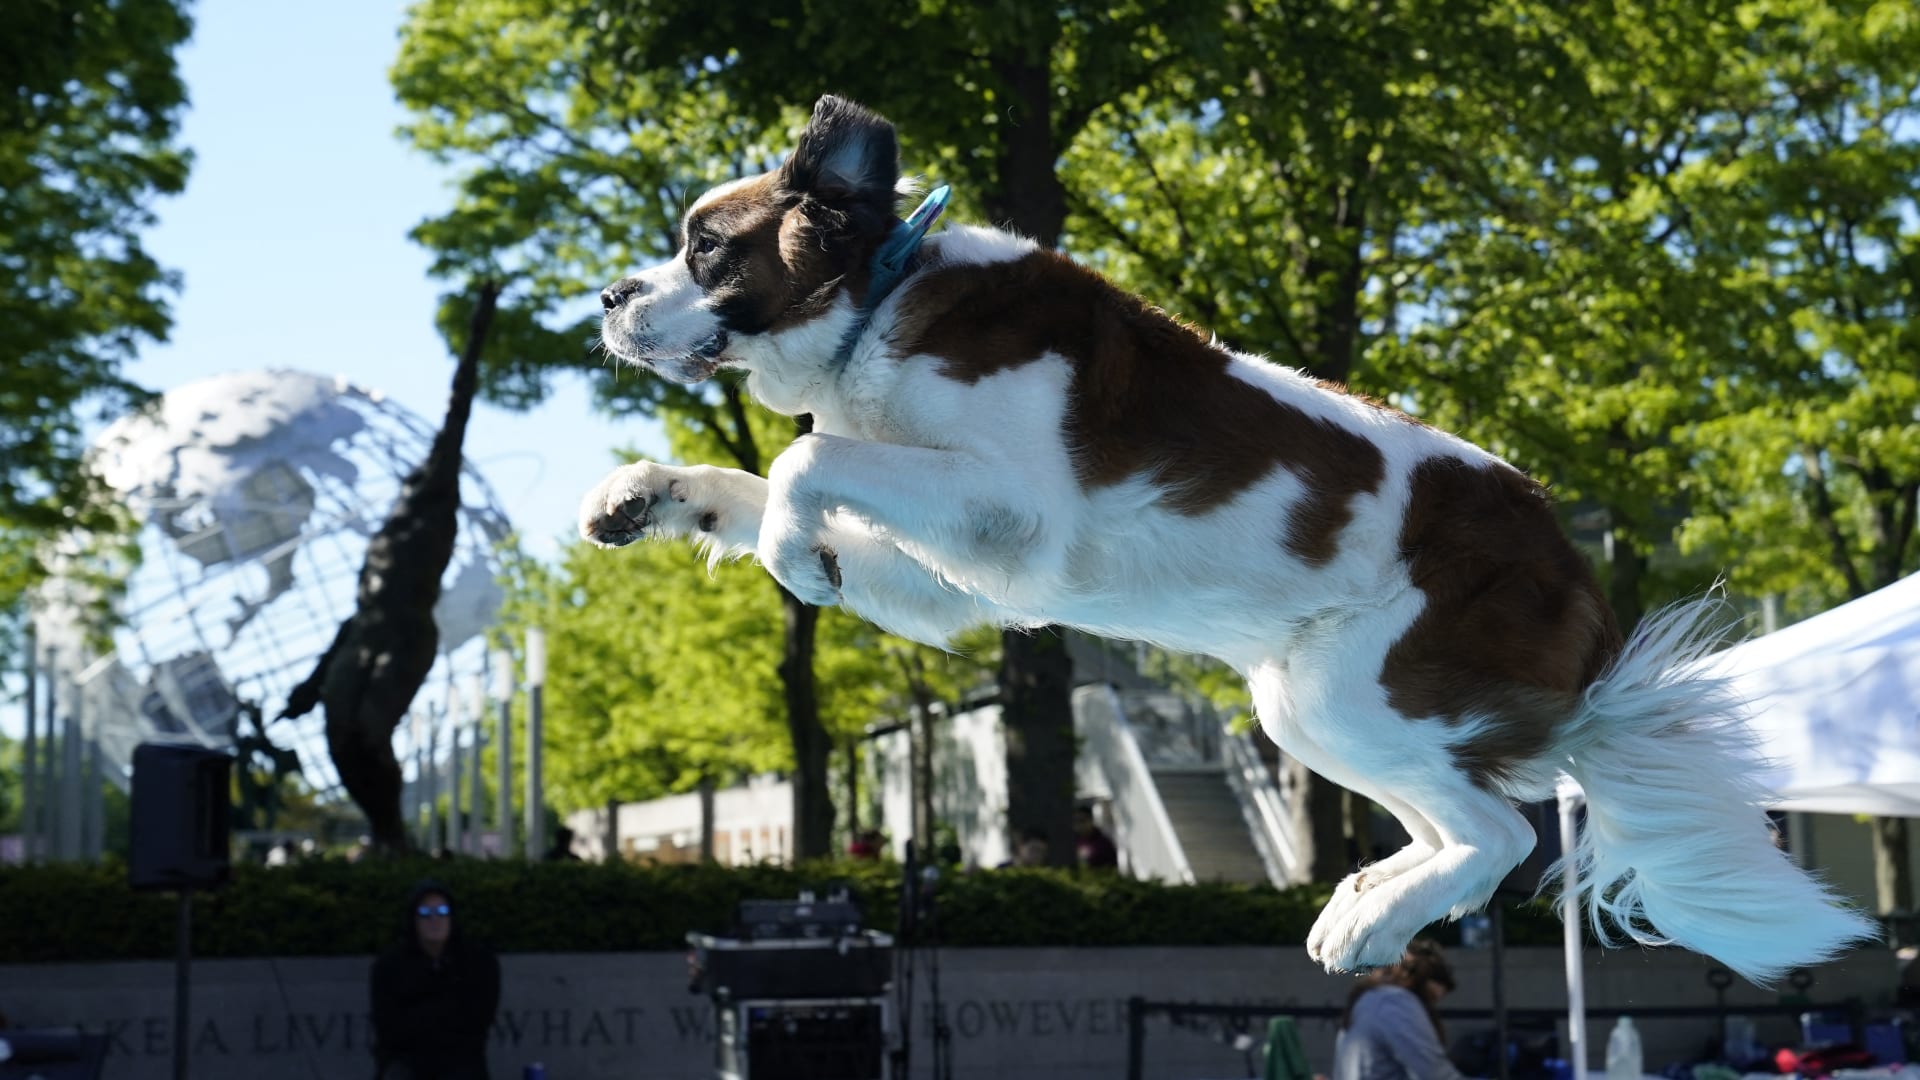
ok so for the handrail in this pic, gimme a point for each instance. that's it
(1144, 830)
(1264, 808)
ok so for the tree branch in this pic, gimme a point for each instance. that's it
(1824, 516)
(1173, 204)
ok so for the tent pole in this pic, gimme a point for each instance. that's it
(1570, 798)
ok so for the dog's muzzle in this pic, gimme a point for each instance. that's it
(620, 292)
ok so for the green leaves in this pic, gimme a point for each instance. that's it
(1662, 255)
(87, 118)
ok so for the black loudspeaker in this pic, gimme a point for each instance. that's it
(51, 1055)
(181, 817)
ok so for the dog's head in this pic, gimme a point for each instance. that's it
(765, 254)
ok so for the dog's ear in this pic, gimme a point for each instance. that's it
(847, 154)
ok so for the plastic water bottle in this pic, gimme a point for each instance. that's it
(1624, 1061)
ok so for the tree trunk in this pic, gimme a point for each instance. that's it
(706, 820)
(920, 753)
(853, 788)
(1626, 565)
(1036, 675)
(1357, 812)
(1892, 868)
(1336, 323)
(1036, 713)
(812, 747)
(1030, 197)
(1318, 811)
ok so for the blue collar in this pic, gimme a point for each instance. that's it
(890, 265)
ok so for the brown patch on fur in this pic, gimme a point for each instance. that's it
(1515, 627)
(1149, 395)
(781, 257)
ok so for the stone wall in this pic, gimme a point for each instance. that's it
(1014, 1013)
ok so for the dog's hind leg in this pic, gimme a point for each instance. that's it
(1474, 836)
(1273, 704)
(1482, 839)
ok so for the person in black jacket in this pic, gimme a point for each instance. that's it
(434, 995)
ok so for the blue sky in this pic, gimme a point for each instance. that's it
(292, 239)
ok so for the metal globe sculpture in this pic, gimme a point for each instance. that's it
(256, 493)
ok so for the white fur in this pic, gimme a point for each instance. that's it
(1676, 848)
(944, 505)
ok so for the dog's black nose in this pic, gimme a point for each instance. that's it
(620, 292)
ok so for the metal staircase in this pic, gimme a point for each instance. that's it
(1190, 801)
(1212, 831)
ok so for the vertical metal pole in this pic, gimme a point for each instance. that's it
(92, 806)
(476, 793)
(535, 826)
(50, 766)
(502, 673)
(1570, 931)
(30, 756)
(96, 800)
(433, 782)
(182, 959)
(455, 839)
(72, 757)
(82, 781)
(536, 686)
(1136, 1037)
(416, 813)
(1500, 1025)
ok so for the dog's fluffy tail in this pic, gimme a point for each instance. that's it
(1677, 849)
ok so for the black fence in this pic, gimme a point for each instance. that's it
(1139, 1009)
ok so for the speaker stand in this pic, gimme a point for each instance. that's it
(1502, 1030)
(182, 960)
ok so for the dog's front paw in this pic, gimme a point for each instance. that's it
(633, 501)
(1370, 933)
(1346, 896)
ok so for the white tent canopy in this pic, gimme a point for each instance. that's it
(1835, 701)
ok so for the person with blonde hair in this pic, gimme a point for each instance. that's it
(1392, 1028)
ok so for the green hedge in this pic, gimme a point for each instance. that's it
(75, 913)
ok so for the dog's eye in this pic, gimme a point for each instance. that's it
(705, 244)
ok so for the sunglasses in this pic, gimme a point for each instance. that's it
(428, 911)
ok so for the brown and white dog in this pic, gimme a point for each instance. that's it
(1007, 438)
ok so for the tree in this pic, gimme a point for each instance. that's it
(1666, 280)
(1704, 316)
(991, 95)
(575, 172)
(88, 110)
(1287, 191)
(1685, 306)
(585, 127)
(1672, 281)
(1807, 205)
(12, 784)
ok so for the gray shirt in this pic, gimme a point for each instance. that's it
(1391, 1038)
